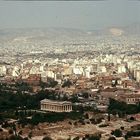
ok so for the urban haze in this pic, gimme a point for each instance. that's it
(70, 70)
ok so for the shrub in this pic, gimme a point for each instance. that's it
(47, 138)
(117, 133)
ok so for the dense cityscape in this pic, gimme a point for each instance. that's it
(69, 70)
(67, 84)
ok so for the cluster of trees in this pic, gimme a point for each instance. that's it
(13, 134)
(13, 102)
(51, 117)
(67, 83)
(22, 86)
(14, 137)
(89, 137)
(86, 137)
(121, 108)
(130, 134)
(9, 100)
(51, 83)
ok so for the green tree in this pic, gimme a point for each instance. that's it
(112, 138)
(121, 108)
(67, 83)
(14, 137)
(76, 138)
(85, 95)
(92, 137)
(47, 138)
(117, 133)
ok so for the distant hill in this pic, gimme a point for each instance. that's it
(67, 33)
(133, 29)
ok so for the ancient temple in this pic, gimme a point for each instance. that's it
(55, 106)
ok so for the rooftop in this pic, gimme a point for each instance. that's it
(54, 102)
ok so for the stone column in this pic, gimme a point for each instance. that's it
(60, 108)
(67, 107)
(48, 107)
(55, 107)
(63, 108)
(52, 107)
(71, 107)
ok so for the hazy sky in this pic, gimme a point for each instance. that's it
(84, 15)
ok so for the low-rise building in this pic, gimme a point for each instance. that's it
(56, 106)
